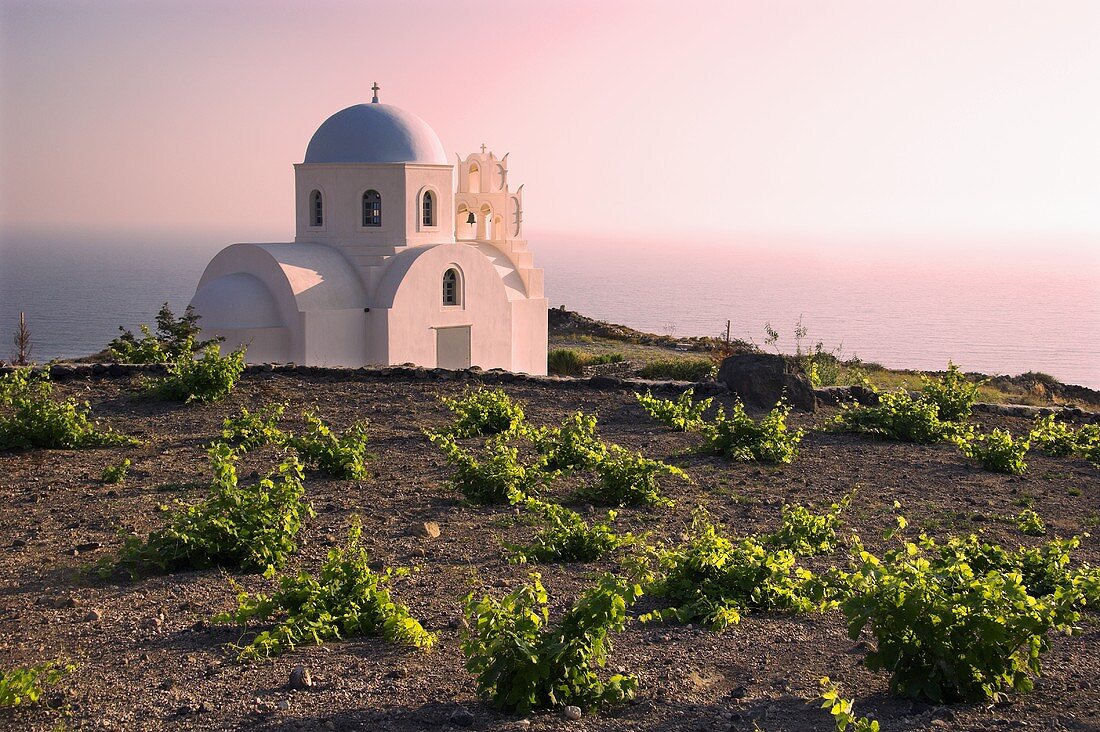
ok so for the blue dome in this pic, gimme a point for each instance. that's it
(375, 133)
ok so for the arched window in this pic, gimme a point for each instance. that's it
(428, 218)
(372, 208)
(316, 209)
(452, 288)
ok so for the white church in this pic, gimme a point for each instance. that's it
(391, 262)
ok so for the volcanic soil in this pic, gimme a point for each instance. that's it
(148, 657)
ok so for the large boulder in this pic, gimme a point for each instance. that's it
(760, 379)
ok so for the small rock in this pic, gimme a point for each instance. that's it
(88, 546)
(300, 678)
(282, 705)
(462, 717)
(523, 724)
(93, 616)
(572, 713)
(427, 530)
(17, 543)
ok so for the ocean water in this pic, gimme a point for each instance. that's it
(997, 314)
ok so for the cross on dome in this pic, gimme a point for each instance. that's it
(375, 89)
(483, 148)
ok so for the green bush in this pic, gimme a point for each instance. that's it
(842, 709)
(1059, 439)
(115, 473)
(960, 621)
(523, 663)
(997, 451)
(898, 416)
(565, 362)
(680, 369)
(30, 417)
(1031, 523)
(1053, 436)
(806, 533)
(483, 412)
(738, 437)
(952, 394)
(626, 478)
(571, 362)
(342, 456)
(572, 446)
(174, 338)
(253, 526)
(716, 580)
(566, 537)
(205, 379)
(27, 684)
(499, 478)
(684, 414)
(346, 600)
(248, 431)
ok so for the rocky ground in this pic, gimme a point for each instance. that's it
(148, 658)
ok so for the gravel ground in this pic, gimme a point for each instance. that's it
(148, 657)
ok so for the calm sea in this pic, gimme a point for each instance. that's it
(1005, 313)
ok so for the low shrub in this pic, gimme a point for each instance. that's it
(680, 369)
(347, 599)
(1053, 436)
(571, 362)
(31, 418)
(25, 685)
(627, 478)
(953, 394)
(565, 362)
(499, 478)
(566, 537)
(483, 412)
(1060, 439)
(250, 526)
(738, 436)
(964, 620)
(1031, 523)
(572, 446)
(715, 580)
(342, 456)
(205, 379)
(683, 414)
(174, 337)
(806, 533)
(524, 663)
(997, 451)
(248, 431)
(898, 416)
(115, 473)
(842, 709)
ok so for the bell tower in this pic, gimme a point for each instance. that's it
(485, 209)
(488, 212)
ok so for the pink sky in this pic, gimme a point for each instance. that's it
(847, 119)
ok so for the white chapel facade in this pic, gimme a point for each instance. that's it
(391, 262)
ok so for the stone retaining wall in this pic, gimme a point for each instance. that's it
(832, 395)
